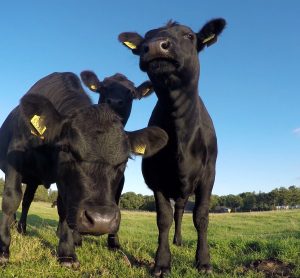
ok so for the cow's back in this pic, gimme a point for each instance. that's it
(64, 90)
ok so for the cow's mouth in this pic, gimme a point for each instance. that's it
(159, 65)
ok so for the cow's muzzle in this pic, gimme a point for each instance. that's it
(98, 220)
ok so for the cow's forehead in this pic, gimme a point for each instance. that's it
(169, 28)
(118, 80)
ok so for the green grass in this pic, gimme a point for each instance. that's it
(235, 241)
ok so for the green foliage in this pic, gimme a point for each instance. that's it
(130, 200)
(41, 194)
(52, 195)
(249, 201)
(1, 186)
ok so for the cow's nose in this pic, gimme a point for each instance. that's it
(98, 221)
(157, 46)
(165, 45)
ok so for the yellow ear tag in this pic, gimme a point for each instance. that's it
(37, 123)
(93, 87)
(209, 38)
(130, 45)
(140, 149)
(146, 91)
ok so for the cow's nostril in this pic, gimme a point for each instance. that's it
(165, 45)
(120, 102)
(88, 217)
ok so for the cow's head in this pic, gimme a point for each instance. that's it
(91, 149)
(117, 91)
(170, 54)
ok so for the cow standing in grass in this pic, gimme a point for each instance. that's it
(186, 165)
(117, 92)
(57, 135)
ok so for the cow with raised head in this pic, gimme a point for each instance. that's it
(186, 165)
(116, 91)
(57, 135)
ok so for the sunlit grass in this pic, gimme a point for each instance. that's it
(235, 240)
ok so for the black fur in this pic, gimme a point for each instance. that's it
(116, 91)
(186, 165)
(84, 150)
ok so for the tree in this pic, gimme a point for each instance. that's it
(214, 201)
(130, 200)
(1, 186)
(233, 201)
(52, 195)
(149, 203)
(41, 194)
(294, 195)
(249, 201)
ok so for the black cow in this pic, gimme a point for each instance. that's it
(186, 165)
(117, 91)
(57, 135)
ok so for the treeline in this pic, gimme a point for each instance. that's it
(251, 201)
(247, 201)
(42, 194)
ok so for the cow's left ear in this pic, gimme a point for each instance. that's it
(41, 117)
(209, 33)
(132, 41)
(144, 90)
(90, 79)
(147, 141)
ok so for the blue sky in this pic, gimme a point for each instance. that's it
(249, 80)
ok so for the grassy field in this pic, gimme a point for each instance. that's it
(238, 242)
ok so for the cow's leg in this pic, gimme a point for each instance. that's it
(77, 238)
(11, 199)
(113, 239)
(66, 246)
(27, 200)
(200, 218)
(164, 218)
(178, 213)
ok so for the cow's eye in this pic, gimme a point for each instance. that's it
(189, 36)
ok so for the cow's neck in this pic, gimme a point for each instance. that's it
(181, 104)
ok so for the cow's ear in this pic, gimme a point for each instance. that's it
(91, 80)
(209, 33)
(132, 41)
(144, 90)
(41, 117)
(147, 141)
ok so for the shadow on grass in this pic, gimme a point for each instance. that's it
(37, 221)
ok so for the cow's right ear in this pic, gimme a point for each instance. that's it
(91, 80)
(41, 117)
(132, 41)
(144, 90)
(147, 141)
